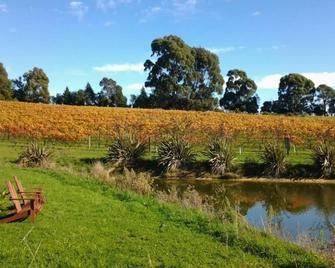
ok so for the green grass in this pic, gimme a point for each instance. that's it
(87, 224)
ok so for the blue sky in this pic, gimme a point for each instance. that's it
(76, 42)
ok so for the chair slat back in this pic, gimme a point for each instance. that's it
(14, 196)
(21, 190)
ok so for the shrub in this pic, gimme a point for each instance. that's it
(125, 150)
(273, 156)
(174, 152)
(324, 158)
(98, 171)
(140, 183)
(220, 156)
(34, 155)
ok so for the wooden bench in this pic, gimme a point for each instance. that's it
(25, 203)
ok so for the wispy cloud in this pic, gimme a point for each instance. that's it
(120, 68)
(273, 47)
(3, 8)
(272, 81)
(175, 8)
(184, 5)
(224, 50)
(257, 13)
(110, 4)
(78, 9)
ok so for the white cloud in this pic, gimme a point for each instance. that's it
(120, 68)
(110, 4)
(78, 8)
(3, 8)
(176, 8)
(134, 86)
(257, 13)
(150, 12)
(272, 81)
(223, 50)
(184, 5)
(269, 82)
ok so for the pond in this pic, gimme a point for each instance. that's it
(295, 209)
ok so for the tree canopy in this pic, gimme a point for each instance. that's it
(323, 97)
(111, 94)
(294, 93)
(6, 91)
(33, 87)
(240, 94)
(182, 77)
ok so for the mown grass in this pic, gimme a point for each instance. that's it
(88, 224)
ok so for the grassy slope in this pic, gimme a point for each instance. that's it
(84, 223)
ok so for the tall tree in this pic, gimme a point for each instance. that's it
(33, 87)
(19, 89)
(170, 75)
(181, 74)
(294, 93)
(68, 97)
(207, 80)
(142, 100)
(90, 96)
(240, 94)
(111, 94)
(36, 88)
(6, 91)
(323, 96)
(80, 97)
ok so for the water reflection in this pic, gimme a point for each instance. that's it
(294, 208)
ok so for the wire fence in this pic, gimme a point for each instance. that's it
(242, 146)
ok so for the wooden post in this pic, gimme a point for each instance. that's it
(149, 145)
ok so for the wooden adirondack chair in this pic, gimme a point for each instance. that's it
(26, 204)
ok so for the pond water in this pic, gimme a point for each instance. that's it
(295, 209)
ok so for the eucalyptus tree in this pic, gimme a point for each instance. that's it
(6, 90)
(295, 94)
(181, 76)
(32, 87)
(240, 93)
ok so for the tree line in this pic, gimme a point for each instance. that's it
(33, 87)
(181, 77)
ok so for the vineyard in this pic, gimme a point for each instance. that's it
(73, 123)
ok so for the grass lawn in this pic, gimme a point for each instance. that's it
(87, 224)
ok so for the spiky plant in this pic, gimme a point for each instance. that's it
(35, 155)
(324, 158)
(274, 158)
(221, 156)
(174, 152)
(125, 149)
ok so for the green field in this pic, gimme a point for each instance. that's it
(88, 224)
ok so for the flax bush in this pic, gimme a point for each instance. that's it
(324, 159)
(220, 154)
(174, 152)
(35, 155)
(125, 149)
(274, 158)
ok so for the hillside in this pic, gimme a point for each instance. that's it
(76, 123)
(85, 223)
